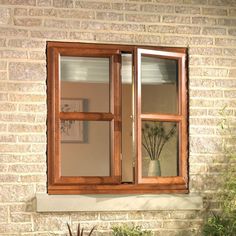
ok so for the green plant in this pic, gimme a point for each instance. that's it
(80, 232)
(223, 223)
(126, 230)
(154, 138)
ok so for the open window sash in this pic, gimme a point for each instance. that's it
(148, 121)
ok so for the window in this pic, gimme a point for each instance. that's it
(117, 119)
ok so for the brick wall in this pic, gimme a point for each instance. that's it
(206, 27)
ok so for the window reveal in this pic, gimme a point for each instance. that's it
(128, 131)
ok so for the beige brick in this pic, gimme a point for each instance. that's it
(175, 40)
(76, 14)
(202, 83)
(29, 22)
(161, 29)
(225, 42)
(3, 65)
(14, 148)
(26, 87)
(111, 16)
(205, 51)
(197, 112)
(39, 138)
(232, 32)
(61, 24)
(201, 103)
(126, 6)
(150, 39)
(113, 216)
(93, 5)
(85, 216)
(157, 8)
(195, 2)
(3, 127)
(112, 27)
(20, 192)
(187, 10)
(27, 98)
(214, 11)
(229, 52)
(8, 178)
(4, 138)
(49, 34)
(20, 12)
(18, 2)
(37, 55)
(26, 128)
(44, 3)
(2, 42)
(8, 107)
(32, 107)
(5, 16)
(111, 37)
(232, 73)
(3, 75)
(232, 12)
(230, 94)
(37, 148)
(50, 222)
(43, 12)
(135, 17)
(27, 71)
(20, 217)
(82, 36)
(206, 93)
(3, 96)
(176, 19)
(18, 117)
(63, 3)
(34, 178)
(201, 41)
(222, 3)
(204, 20)
(215, 72)
(26, 43)
(213, 31)
(188, 30)
(225, 62)
(29, 168)
(13, 54)
(227, 22)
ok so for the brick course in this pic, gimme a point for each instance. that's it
(207, 28)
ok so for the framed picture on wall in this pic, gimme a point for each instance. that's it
(72, 130)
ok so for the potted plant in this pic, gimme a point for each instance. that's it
(154, 137)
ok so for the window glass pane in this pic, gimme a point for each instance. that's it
(86, 78)
(85, 148)
(127, 151)
(159, 90)
(159, 148)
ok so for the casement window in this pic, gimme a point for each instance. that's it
(117, 119)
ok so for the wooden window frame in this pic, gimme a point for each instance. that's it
(58, 184)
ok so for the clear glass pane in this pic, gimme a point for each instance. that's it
(85, 148)
(159, 149)
(86, 78)
(159, 90)
(127, 151)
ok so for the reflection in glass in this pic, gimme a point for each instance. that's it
(159, 148)
(86, 78)
(159, 85)
(86, 153)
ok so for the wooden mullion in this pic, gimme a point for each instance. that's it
(92, 116)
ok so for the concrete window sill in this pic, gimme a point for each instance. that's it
(73, 203)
